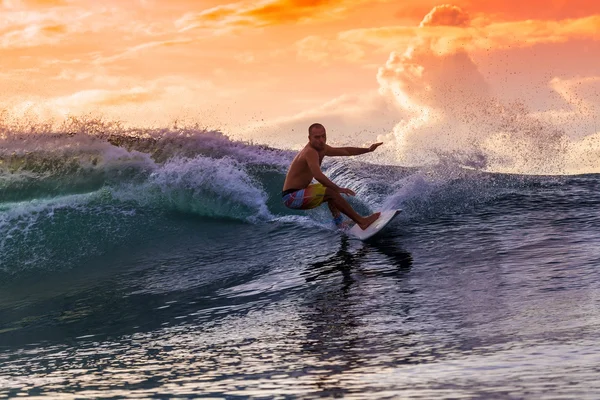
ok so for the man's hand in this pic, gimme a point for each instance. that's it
(347, 191)
(374, 146)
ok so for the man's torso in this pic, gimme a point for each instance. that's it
(299, 175)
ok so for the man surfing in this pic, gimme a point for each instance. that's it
(298, 192)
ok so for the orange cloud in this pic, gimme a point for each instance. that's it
(92, 99)
(144, 46)
(54, 29)
(29, 24)
(446, 15)
(315, 49)
(528, 33)
(534, 9)
(245, 57)
(448, 38)
(73, 24)
(138, 95)
(506, 10)
(422, 76)
(32, 3)
(147, 102)
(32, 35)
(265, 13)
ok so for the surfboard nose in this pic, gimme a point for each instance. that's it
(384, 219)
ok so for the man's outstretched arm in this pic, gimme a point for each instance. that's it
(350, 151)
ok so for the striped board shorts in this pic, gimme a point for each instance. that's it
(304, 199)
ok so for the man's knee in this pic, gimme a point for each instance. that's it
(331, 194)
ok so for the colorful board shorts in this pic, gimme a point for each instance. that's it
(304, 199)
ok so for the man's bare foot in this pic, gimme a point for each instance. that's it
(369, 220)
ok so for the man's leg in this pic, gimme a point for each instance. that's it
(335, 201)
(334, 211)
(338, 219)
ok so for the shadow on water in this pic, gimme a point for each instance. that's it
(345, 261)
(347, 323)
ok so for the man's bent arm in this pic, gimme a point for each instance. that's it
(312, 159)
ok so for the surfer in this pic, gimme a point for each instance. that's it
(298, 192)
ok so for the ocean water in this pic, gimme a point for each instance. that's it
(162, 264)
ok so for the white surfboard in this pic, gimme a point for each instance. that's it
(385, 218)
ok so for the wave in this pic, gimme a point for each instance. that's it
(77, 192)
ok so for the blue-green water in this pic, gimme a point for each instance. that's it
(169, 268)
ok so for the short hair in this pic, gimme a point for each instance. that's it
(315, 125)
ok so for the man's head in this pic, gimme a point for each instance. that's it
(317, 137)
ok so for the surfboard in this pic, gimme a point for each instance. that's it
(385, 218)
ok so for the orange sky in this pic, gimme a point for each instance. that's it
(266, 69)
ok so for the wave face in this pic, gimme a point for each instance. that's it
(72, 193)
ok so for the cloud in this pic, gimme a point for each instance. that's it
(534, 9)
(245, 57)
(133, 96)
(146, 103)
(528, 33)
(132, 51)
(252, 14)
(421, 77)
(76, 24)
(448, 29)
(72, 75)
(33, 35)
(22, 27)
(315, 49)
(87, 100)
(446, 15)
(15, 4)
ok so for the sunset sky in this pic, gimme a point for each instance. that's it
(397, 71)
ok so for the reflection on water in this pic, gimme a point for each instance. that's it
(353, 319)
(188, 361)
(345, 261)
(340, 330)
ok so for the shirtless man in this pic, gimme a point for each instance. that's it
(299, 193)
